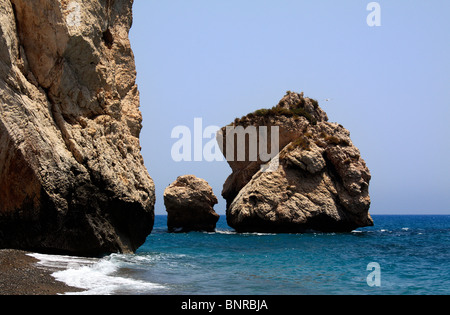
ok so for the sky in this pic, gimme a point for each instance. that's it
(389, 85)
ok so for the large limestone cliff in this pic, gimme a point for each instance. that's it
(318, 180)
(72, 178)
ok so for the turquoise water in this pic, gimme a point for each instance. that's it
(413, 253)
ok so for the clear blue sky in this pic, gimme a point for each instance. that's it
(389, 85)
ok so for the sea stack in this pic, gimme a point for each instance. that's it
(317, 181)
(190, 204)
(72, 178)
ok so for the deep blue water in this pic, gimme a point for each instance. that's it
(413, 253)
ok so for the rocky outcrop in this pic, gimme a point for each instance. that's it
(72, 178)
(190, 204)
(318, 181)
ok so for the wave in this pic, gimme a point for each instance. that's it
(225, 232)
(232, 232)
(97, 276)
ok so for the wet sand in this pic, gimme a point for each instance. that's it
(20, 275)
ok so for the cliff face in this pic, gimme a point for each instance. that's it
(321, 182)
(72, 178)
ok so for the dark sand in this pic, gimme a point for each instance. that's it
(20, 275)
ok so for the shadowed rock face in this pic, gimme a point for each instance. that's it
(321, 182)
(72, 178)
(190, 204)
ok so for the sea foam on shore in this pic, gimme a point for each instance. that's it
(95, 276)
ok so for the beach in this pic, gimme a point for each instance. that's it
(20, 275)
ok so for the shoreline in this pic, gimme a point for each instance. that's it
(20, 275)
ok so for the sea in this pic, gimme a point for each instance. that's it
(400, 255)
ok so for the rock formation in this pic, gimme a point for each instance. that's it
(318, 181)
(72, 178)
(190, 204)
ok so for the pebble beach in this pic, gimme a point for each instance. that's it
(20, 275)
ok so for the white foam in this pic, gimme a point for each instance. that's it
(95, 276)
(229, 232)
(62, 262)
(225, 232)
(259, 234)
